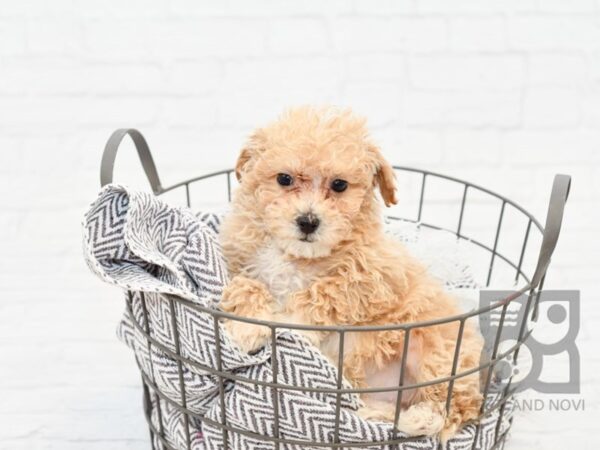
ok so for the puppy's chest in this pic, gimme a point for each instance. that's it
(282, 276)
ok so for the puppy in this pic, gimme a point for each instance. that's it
(304, 243)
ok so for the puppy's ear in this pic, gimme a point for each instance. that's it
(385, 177)
(249, 153)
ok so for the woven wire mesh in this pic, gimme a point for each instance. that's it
(530, 282)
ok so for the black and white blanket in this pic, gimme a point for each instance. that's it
(141, 244)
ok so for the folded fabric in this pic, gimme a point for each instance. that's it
(155, 251)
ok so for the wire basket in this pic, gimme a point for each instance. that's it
(425, 191)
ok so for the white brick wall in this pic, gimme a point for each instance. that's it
(502, 92)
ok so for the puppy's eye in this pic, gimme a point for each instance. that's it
(284, 179)
(339, 185)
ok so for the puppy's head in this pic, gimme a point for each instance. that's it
(309, 179)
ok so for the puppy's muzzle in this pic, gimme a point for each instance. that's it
(307, 223)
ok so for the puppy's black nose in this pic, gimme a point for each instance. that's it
(307, 223)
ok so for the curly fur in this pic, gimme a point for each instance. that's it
(348, 273)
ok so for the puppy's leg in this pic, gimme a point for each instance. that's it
(437, 363)
(466, 392)
(417, 416)
(329, 301)
(247, 298)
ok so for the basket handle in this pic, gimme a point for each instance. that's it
(110, 153)
(554, 217)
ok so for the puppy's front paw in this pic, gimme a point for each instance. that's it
(247, 298)
(247, 336)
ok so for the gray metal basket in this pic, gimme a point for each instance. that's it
(530, 282)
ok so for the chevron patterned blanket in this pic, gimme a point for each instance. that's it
(152, 250)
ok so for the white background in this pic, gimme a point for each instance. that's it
(504, 93)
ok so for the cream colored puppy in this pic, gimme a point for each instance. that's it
(304, 243)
